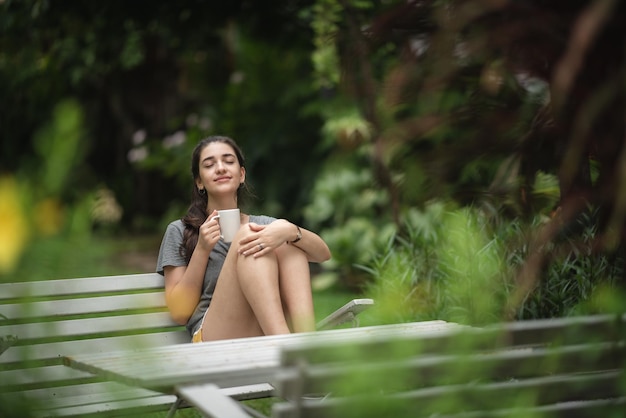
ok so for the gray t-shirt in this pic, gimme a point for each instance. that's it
(169, 255)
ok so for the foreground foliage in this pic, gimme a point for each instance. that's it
(458, 265)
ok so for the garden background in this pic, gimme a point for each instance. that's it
(464, 159)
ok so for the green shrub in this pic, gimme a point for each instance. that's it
(459, 265)
(349, 212)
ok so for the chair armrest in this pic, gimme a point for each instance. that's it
(347, 313)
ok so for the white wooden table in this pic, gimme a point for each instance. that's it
(227, 363)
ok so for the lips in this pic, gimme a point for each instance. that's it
(221, 179)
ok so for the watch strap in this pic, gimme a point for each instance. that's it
(298, 236)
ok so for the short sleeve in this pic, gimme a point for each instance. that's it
(169, 253)
(262, 219)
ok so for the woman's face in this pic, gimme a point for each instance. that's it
(220, 172)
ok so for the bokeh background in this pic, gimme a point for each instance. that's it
(464, 159)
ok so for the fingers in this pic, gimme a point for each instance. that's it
(212, 218)
(256, 247)
(209, 232)
(256, 227)
(261, 250)
(263, 240)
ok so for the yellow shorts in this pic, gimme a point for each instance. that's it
(197, 336)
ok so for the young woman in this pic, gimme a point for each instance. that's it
(257, 285)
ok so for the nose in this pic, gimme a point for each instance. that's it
(219, 165)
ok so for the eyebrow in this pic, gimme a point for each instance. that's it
(223, 156)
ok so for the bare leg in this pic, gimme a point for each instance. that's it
(247, 300)
(295, 288)
(258, 278)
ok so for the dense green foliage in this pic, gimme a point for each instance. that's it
(511, 114)
(496, 127)
(454, 264)
(464, 159)
(149, 74)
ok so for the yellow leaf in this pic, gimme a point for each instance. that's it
(13, 225)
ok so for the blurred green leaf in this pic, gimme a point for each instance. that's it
(59, 147)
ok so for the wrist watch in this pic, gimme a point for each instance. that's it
(298, 235)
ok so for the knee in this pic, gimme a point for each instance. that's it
(291, 252)
(244, 231)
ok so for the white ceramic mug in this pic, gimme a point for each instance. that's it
(230, 221)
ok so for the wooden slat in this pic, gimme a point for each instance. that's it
(329, 407)
(563, 367)
(85, 398)
(62, 287)
(70, 317)
(55, 351)
(41, 376)
(567, 330)
(131, 408)
(242, 393)
(87, 326)
(434, 370)
(226, 363)
(88, 393)
(576, 330)
(545, 390)
(211, 401)
(83, 306)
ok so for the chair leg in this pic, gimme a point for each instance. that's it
(174, 407)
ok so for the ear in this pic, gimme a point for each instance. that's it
(199, 184)
(242, 175)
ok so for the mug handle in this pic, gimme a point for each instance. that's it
(216, 217)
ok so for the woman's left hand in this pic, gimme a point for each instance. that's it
(265, 238)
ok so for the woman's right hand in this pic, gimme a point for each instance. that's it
(210, 232)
